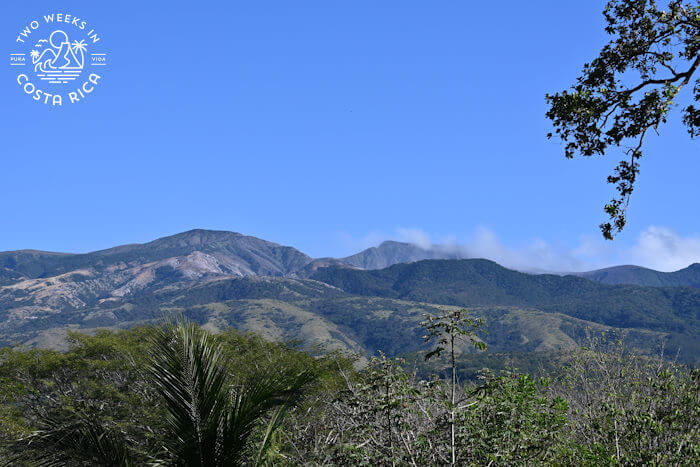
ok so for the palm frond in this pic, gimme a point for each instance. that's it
(80, 440)
(270, 429)
(186, 370)
(251, 401)
(210, 419)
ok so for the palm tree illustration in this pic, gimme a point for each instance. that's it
(35, 60)
(80, 46)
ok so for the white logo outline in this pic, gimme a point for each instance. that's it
(57, 56)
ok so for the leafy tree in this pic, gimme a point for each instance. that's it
(509, 420)
(448, 328)
(152, 395)
(630, 88)
(382, 417)
(387, 417)
(628, 409)
(86, 405)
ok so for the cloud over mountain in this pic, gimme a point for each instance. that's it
(658, 248)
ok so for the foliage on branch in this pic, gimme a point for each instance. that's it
(630, 88)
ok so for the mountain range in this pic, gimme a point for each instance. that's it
(366, 302)
(390, 252)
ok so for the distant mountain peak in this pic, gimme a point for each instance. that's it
(236, 254)
(200, 236)
(208, 232)
(391, 252)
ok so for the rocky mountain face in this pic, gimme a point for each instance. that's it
(35, 284)
(192, 254)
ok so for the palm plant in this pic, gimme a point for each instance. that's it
(79, 440)
(210, 418)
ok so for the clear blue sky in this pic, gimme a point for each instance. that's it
(311, 122)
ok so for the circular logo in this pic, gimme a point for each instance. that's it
(58, 59)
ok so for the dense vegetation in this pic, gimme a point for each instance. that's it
(177, 395)
(481, 282)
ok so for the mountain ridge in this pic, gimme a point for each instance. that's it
(389, 253)
(386, 254)
(239, 254)
(638, 275)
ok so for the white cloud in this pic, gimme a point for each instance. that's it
(536, 255)
(657, 248)
(663, 249)
(415, 236)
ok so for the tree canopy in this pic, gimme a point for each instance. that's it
(178, 395)
(630, 88)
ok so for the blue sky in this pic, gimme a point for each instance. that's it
(330, 126)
